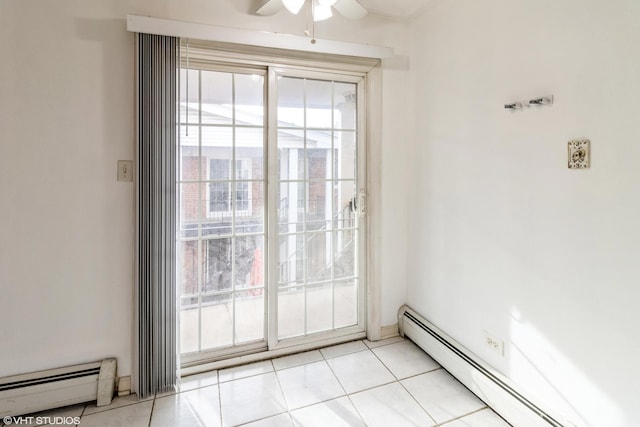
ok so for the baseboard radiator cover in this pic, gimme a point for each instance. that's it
(496, 390)
(54, 388)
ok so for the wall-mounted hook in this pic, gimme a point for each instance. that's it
(516, 106)
(545, 100)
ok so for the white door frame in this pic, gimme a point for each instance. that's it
(369, 96)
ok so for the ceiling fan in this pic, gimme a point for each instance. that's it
(321, 9)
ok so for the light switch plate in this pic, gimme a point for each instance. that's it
(579, 153)
(125, 170)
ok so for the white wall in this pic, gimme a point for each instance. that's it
(66, 117)
(502, 236)
(66, 228)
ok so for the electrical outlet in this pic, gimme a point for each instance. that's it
(494, 343)
(125, 170)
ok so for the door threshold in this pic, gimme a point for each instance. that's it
(204, 366)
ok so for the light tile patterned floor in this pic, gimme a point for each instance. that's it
(388, 383)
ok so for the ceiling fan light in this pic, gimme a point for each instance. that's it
(326, 2)
(293, 6)
(320, 12)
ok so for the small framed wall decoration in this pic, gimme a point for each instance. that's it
(579, 154)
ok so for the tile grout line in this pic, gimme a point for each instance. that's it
(84, 408)
(385, 365)
(318, 403)
(326, 361)
(364, 389)
(366, 347)
(248, 376)
(260, 419)
(440, 367)
(384, 345)
(220, 383)
(399, 381)
(348, 395)
(219, 396)
(153, 404)
(463, 416)
(179, 391)
(422, 373)
(416, 400)
(357, 410)
(470, 391)
(300, 364)
(465, 387)
(135, 402)
(284, 398)
(322, 401)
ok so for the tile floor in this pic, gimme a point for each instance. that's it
(387, 383)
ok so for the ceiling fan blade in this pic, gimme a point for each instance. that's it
(350, 9)
(270, 7)
(293, 6)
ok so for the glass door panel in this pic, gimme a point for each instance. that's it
(222, 204)
(317, 222)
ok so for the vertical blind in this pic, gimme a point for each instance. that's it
(156, 214)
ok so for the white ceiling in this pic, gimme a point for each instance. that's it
(394, 8)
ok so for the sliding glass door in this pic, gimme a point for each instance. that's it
(270, 235)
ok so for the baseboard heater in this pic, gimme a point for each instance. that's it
(55, 388)
(490, 386)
